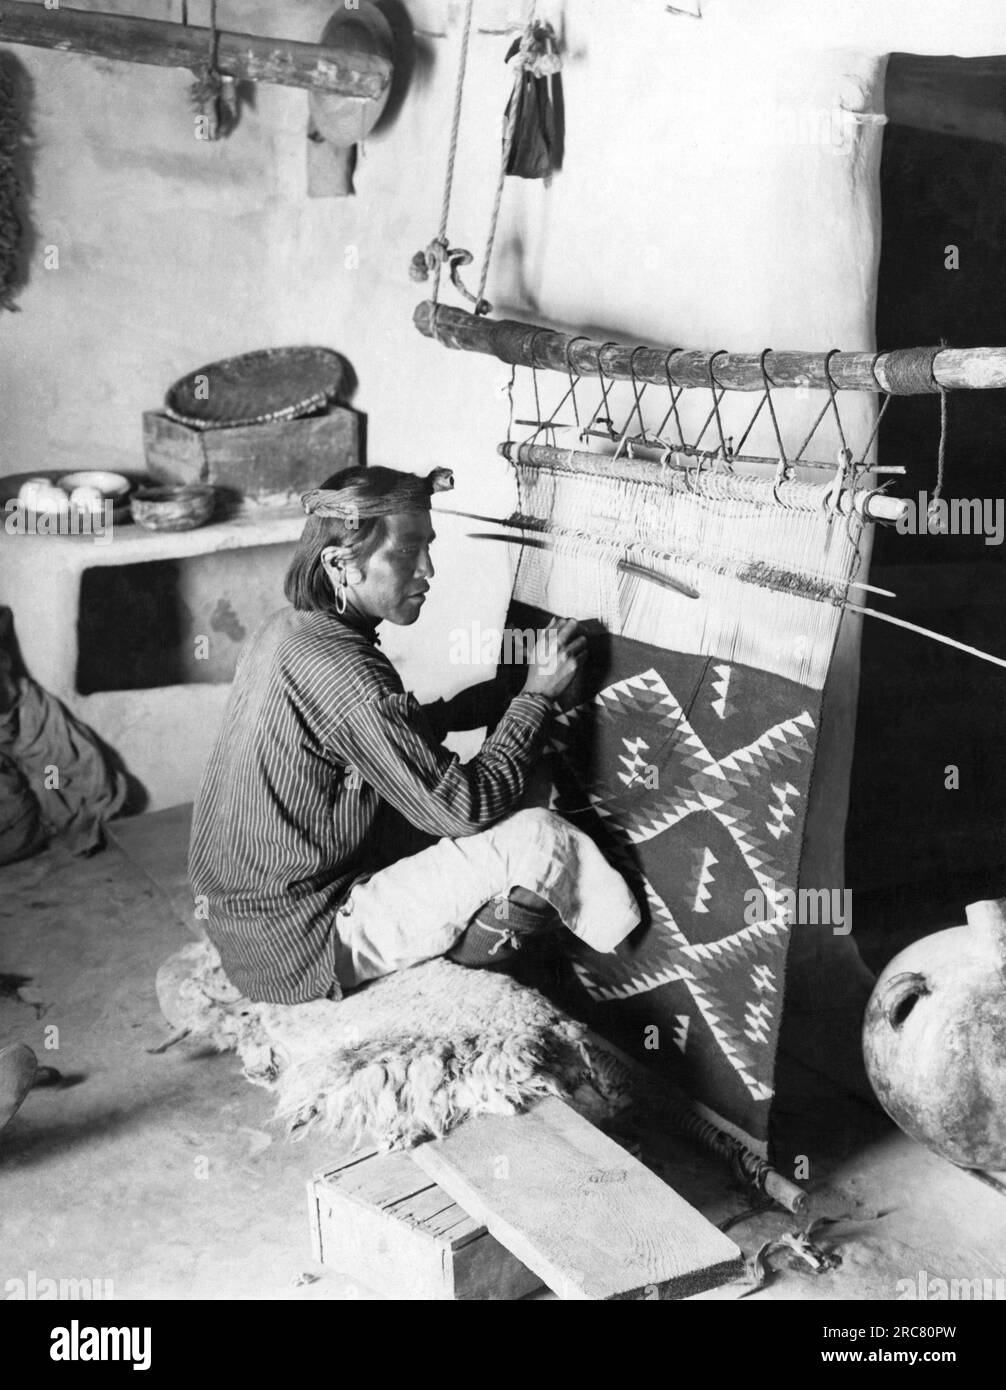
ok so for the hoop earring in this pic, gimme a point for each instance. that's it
(341, 596)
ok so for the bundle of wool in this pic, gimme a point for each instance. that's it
(11, 229)
(403, 1059)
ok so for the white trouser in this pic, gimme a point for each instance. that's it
(417, 908)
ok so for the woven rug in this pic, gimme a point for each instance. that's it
(691, 774)
(403, 1059)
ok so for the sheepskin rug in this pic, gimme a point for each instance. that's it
(403, 1059)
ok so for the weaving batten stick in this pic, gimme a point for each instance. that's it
(960, 369)
(780, 581)
(625, 566)
(927, 632)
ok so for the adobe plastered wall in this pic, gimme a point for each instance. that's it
(711, 197)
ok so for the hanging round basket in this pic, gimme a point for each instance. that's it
(255, 388)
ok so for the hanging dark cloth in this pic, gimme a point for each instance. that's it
(537, 148)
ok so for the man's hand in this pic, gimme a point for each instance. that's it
(558, 655)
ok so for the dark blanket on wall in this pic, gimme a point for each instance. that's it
(56, 782)
(691, 774)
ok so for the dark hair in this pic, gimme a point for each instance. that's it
(307, 586)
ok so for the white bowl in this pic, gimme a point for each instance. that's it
(112, 485)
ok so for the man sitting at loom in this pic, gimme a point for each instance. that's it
(323, 762)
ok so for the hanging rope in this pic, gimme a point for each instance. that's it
(933, 511)
(536, 54)
(941, 459)
(511, 126)
(431, 260)
(213, 95)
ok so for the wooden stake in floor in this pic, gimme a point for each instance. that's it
(573, 1206)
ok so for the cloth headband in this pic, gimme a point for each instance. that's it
(411, 493)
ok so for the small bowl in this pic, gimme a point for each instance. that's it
(173, 508)
(113, 485)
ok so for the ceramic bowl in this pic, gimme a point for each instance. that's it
(173, 508)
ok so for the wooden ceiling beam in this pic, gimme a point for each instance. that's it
(159, 43)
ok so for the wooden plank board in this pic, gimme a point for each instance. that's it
(589, 1219)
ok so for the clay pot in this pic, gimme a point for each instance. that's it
(934, 1039)
(173, 508)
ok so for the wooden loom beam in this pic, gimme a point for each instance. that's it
(870, 504)
(160, 43)
(526, 345)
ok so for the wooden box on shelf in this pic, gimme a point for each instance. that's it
(256, 461)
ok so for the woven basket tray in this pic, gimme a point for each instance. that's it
(272, 384)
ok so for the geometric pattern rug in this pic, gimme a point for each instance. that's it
(691, 774)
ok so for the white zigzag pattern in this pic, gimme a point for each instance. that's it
(721, 687)
(702, 893)
(758, 1015)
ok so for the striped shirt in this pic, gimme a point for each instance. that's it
(318, 744)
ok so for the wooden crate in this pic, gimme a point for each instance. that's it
(380, 1219)
(254, 460)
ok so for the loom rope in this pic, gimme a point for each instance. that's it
(909, 371)
(508, 138)
(452, 152)
(526, 59)
(783, 464)
(932, 511)
(713, 383)
(941, 456)
(431, 260)
(213, 92)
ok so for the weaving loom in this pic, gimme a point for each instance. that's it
(714, 581)
(689, 749)
(687, 752)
